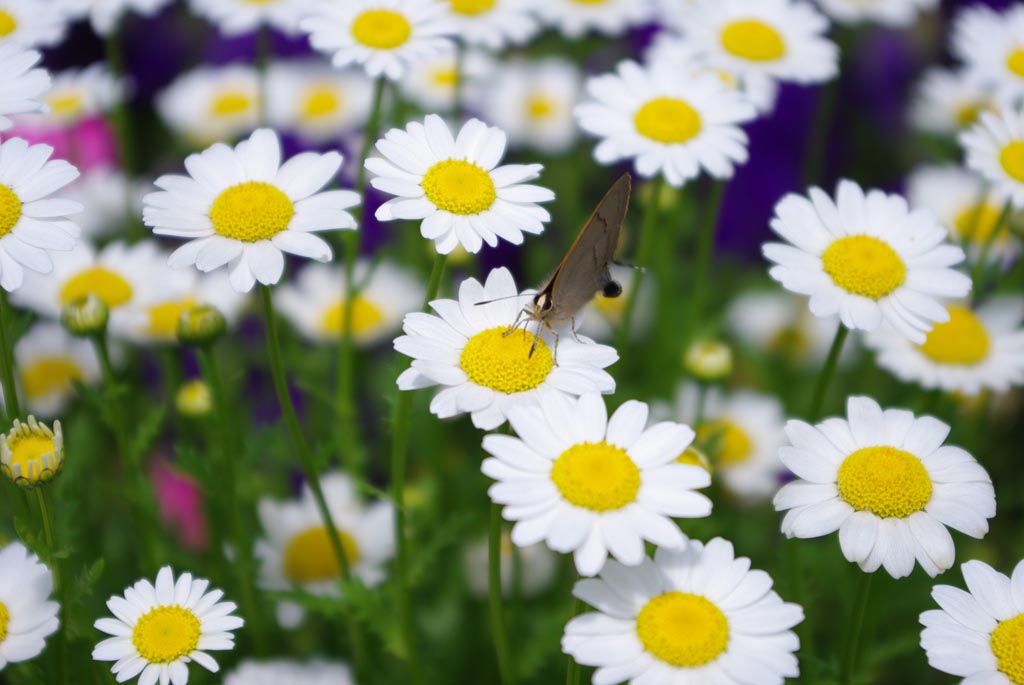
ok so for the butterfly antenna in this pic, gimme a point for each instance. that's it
(499, 299)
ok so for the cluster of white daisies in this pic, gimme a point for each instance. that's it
(570, 475)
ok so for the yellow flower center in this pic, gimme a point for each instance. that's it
(66, 105)
(730, 444)
(1012, 159)
(977, 221)
(539, 107)
(5, 618)
(590, 2)
(381, 29)
(864, 265)
(321, 101)
(166, 633)
(366, 316)
(194, 399)
(445, 78)
(459, 187)
(10, 210)
(30, 448)
(1015, 61)
(261, 2)
(310, 558)
(503, 362)
(692, 457)
(471, 7)
(754, 40)
(103, 283)
(667, 120)
(683, 629)
(229, 104)
(596, 476)
(49, 375)
(1007, 643)
(961, 340)
(968, 112)
(886, 481)
(8, 23)
(163, 318)
(251, 211)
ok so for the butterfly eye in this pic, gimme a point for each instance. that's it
(546, 304)
(612, 289)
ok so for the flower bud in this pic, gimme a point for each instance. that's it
(200, 325)
(85, 316)
(708, 360)
(193, 399)
(31, 453)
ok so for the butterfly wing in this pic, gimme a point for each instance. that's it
(584, 269)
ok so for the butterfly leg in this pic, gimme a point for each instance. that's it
(573, 328)
(515, 324)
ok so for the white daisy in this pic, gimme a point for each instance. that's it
(867, 257)
(116, 274)
(592, 485)
(104, 15)
(965, 206)
(242, 208)
(670, 123)
(994, 149)
(454, 184)
(158, 630)
(977, 635)
(76, 94)
(383, 36)
(316, 101)
(288, 672)
(784, 39)
(669, 13)
(778, 323)
(947, 101)
(483, 371)
(532, 102)
(886, 482)
(49, 362)
(23, 83)
(212, 103)
(991, 45)
(741, 432)
(695, 615)
(535, 564)
(980, 349)
(431, 82)
(33, 225)
(894, 13)
(28, 616)
(235, 17)
(31, 453)
(297, 551)
(32, 23)
(762, 91)
(314, 302)
(494, 24)
(574, 18)
(153, 315)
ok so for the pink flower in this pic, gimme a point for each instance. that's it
(87, 144)
(181, 504)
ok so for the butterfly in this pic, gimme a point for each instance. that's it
(584, 271)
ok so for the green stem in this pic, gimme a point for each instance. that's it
(860, 608)
(827, 371)
(645, 241)
(120, 118)
(309, 465)
(499, 631)
(59, 582)
(230, 451)
(705, 248)
(143, 496)
(264, 54)
(399, 449)
(350, 442)
(821, 126)
(978, 273)
(7, 362)
(702, 396)
(458, 93)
